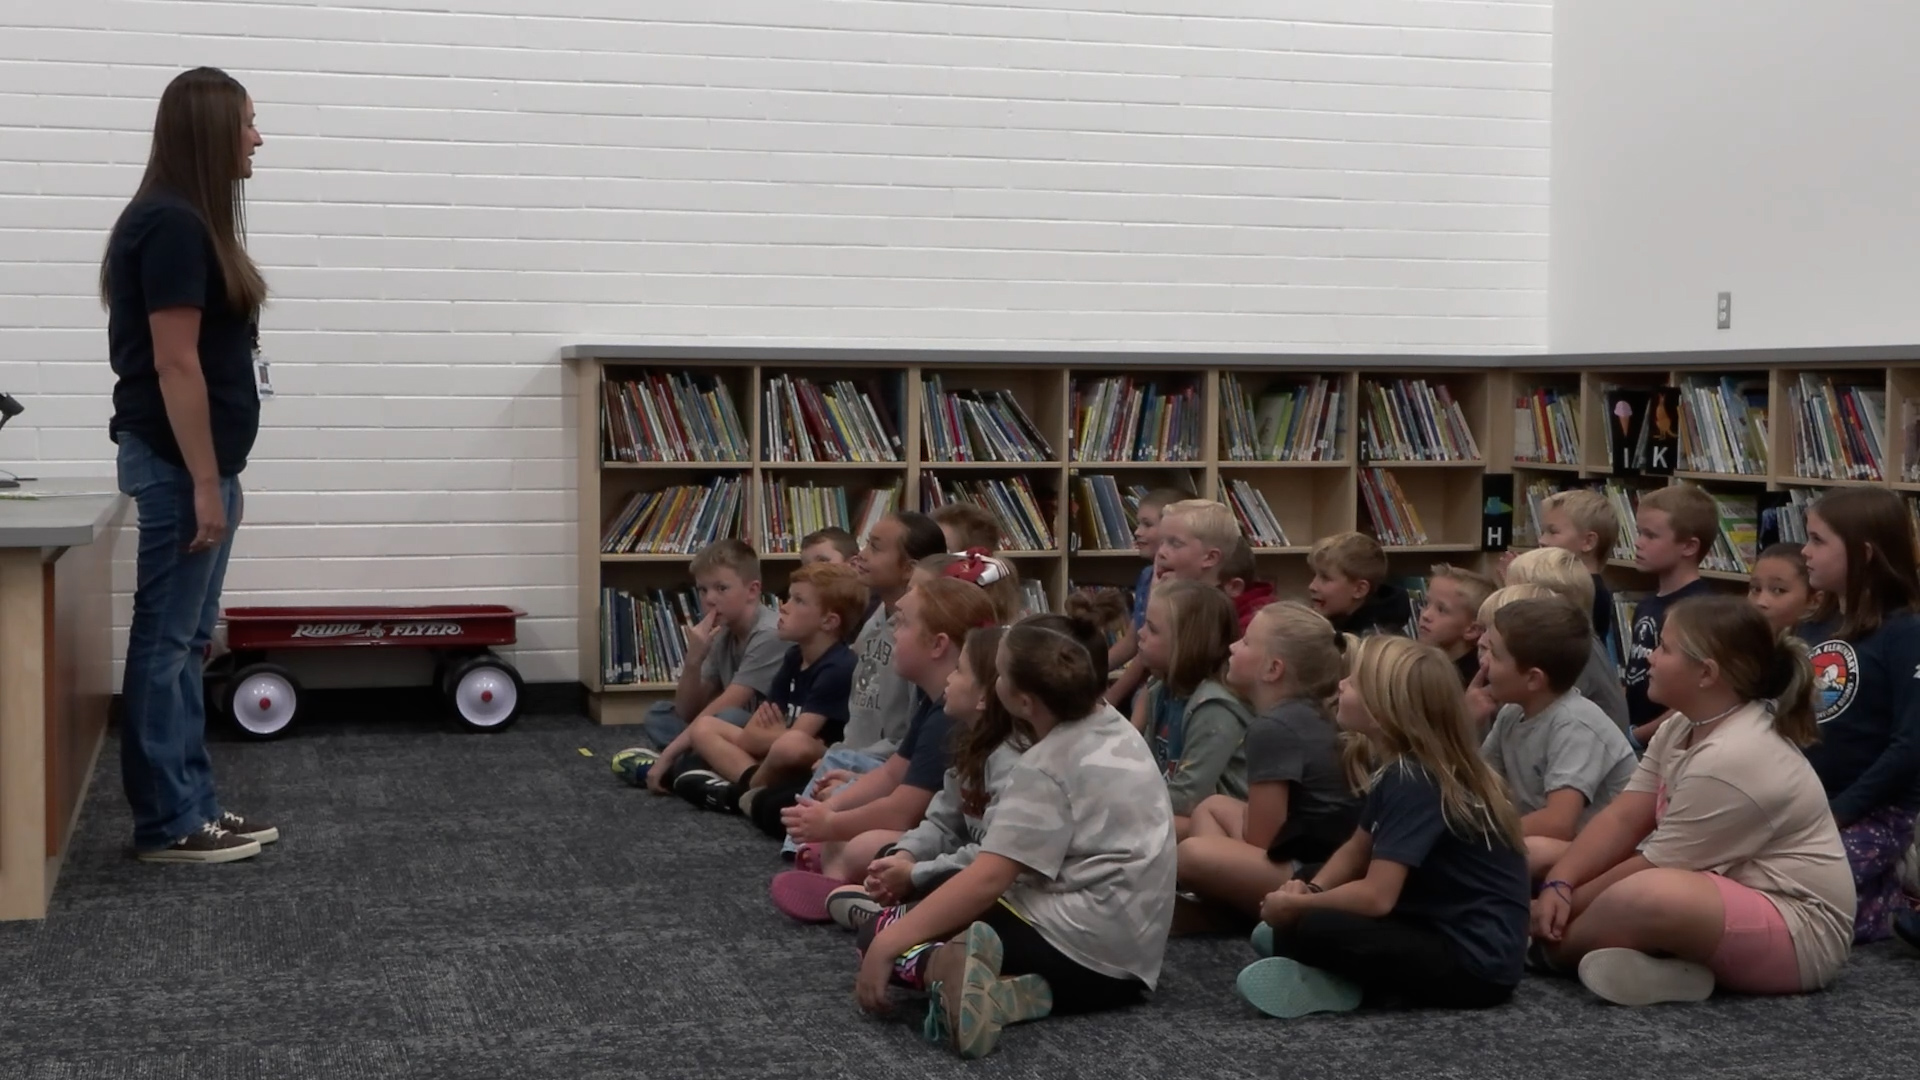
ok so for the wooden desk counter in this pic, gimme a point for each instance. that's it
(56, 673)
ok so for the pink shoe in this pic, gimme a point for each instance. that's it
(802, 895)
(808, 859)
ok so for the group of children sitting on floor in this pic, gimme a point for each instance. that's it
(1013, 814)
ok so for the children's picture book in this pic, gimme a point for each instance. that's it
(1626, 422)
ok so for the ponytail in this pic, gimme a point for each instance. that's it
(1755, 663)
(1789, 684)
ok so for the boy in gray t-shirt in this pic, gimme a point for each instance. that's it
(1561, 756)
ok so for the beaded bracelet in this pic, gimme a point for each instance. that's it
(1558, 886)
(1311, 887)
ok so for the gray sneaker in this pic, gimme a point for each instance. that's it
(207, 844)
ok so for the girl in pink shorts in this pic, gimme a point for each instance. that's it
(1720, 865)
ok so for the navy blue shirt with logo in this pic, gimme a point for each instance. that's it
(820, 687)
(926, 743)
(1649, 615)
(1867, 700)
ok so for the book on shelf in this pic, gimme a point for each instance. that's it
(1396, 523)
(1416, 588)
(1300, 422)
(1734, 544)
(789, 511)
(1117, 419)
(677, 520)
(1839, 429)
(1413, 420)
(1025, 519)
(1621, 640)
(1723, 426)
(674, 417)
(1257, 520)
(804, 421)
(1033, 595)
(1104, 513)
(1546, 427)
(1783, 516)
(643, 634)
(978, 425)
(1625, 501)
(1643, 429)
(1910, 431)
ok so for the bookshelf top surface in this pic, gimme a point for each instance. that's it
(1829, 356)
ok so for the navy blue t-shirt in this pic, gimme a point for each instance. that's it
(1473, 891)
(821, 687)
(1602, 608)
(1648, 617)
(161, 256)
(925, 745)
(1867, 700)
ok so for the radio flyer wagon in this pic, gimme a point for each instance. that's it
(482, 691)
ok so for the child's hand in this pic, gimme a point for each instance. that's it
(700, 635)
(890, 880)
(657, 775)
(832, 781)
(1480, 704)
(876, 975)
(807, 821)
(1296, 887)
(1551, 910)
(1506, 560)
(768, 715)
(1282, 908)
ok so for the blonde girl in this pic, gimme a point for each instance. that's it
(1300, 806)
(1720, 864)
(1196, 726)
(1426, 904)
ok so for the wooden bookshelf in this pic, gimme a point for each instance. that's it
(1310, 498)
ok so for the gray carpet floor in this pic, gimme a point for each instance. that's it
(460, 906)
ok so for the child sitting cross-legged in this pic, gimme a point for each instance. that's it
(1561, 757)
(842, 833)
(1300, 806)
(1195, 725)
(985, 750)
(1426, 904)
(1066, 906)
(1721, 865)
(825, 602)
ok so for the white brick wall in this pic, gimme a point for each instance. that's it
(444, 199)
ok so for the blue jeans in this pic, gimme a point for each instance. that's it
(176, 602)
(663, 725)
(853, 761)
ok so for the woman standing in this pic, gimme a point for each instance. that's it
(183, 300)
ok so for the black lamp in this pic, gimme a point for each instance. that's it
(9, 408)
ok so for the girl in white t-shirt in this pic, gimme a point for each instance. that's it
(1720, 864)
(1067, 904)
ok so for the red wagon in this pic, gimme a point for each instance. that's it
(482, 690)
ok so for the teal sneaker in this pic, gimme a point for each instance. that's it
(632, 764)
(1287, 989)
(1262, 940)
(969, 1002)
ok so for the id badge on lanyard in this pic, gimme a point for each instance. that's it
(262, 368)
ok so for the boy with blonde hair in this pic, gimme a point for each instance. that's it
(1196, 536)
(1146, 540)
(1562, 572)
(1582, 521)
(1450, 620)
(1351, 589)
(1674, 528)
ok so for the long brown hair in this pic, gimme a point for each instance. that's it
(1201, 626)
(1756, 663)
(1414, 695)
(1873, 527)
(197, 155)
(974, 743)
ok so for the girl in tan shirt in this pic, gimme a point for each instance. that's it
(1720, 864)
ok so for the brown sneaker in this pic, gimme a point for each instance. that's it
(207, 844)
(252, 830)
